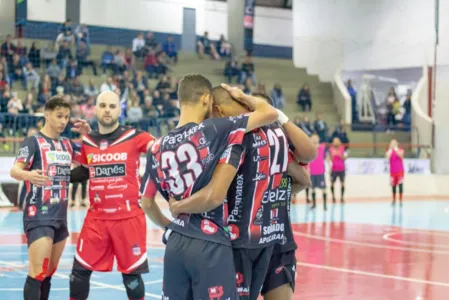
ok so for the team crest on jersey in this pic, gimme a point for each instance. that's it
(31, 211)
(104, 145)
(208, 227)
(97, 198)
(259, 217)
(233, 232)
(136, 250)
(216, 292)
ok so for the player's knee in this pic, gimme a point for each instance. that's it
(79, 284)
(39, 271)
(135, 288)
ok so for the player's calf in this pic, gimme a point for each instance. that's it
(135, 288)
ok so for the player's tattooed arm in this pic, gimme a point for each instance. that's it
(299, 175)
(305, 151)
(152, 210)
(35, 176)
(208, 197)
(261, 114)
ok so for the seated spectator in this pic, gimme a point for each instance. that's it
(163, 63)
(73, 70)
(4, 98)
(64, 55)
(340, 132)
(82, 54)
(29, 106)
(247, 88)
(304, 98)
(248, 70)
(3, 83)
(174, 83)
(82, 35)
(66, 26)
(140, 84)
(135, 113)
(278, 97)
(91, 90)
(138, 46)
(45, 90)
(88, 110)
(407, 105)
(32, 76)
(16, 72)
(15, 104)
(21, 50)
(107, 59)
(151, 42)
(152, 64)
(306, 126)
(149, 110)
(65, 37)
(353, 93)
(163, 85)
(157, 99)
(48, 54)
(77, 90)
(34, 55)
(170, 49)
(8, 49)
(205, 46)
(54, 70)
(4, 69)
(261, 88)
(120, 64)
(130, 59)
(320, 127)
(62, 82)
(231, 70)
(223, 47)
(108, 86)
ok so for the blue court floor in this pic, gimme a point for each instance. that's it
(339, 246)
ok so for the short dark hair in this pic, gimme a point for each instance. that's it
(192, 87)
(221, 96)
(56, 102)
(263, 96)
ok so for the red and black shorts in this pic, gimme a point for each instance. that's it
(102, 240)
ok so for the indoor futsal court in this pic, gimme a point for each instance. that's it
(359, 250)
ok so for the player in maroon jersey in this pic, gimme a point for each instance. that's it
(115, 224)
(198, 261)
(43, 163)
(258, 195)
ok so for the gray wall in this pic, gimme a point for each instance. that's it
(7, 17)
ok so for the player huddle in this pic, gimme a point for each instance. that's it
(226, 170)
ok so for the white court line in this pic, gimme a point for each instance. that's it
(154, 281)
(97, 283)
(388, 237)
(156, 246)
(364, 244)
(357, 272)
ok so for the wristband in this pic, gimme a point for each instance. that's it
(282, 118)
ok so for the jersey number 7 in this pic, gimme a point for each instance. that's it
(181, 168)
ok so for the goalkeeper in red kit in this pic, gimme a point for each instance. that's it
(115, 224)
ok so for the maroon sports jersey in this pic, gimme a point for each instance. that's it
(113, 161)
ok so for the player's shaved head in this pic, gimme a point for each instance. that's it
(107, 109)
(225, 105)
(192, 88)
(108, 97)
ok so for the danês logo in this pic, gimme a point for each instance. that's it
(112, 170)
(106, 157)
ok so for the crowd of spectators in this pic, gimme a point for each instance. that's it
(320, 127)
(56, 69)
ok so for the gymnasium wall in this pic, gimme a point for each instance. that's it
(273, 35)
(359, 35)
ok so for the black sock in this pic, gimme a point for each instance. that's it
(45, 288)
(32, 289)
(394, 193)
(332, 192)
(79, 282)
(307, 194)
(313, 197)
(325, 199)
(342, 192)
(400, 191)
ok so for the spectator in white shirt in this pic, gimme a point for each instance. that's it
(138, 45)
(108, 86)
